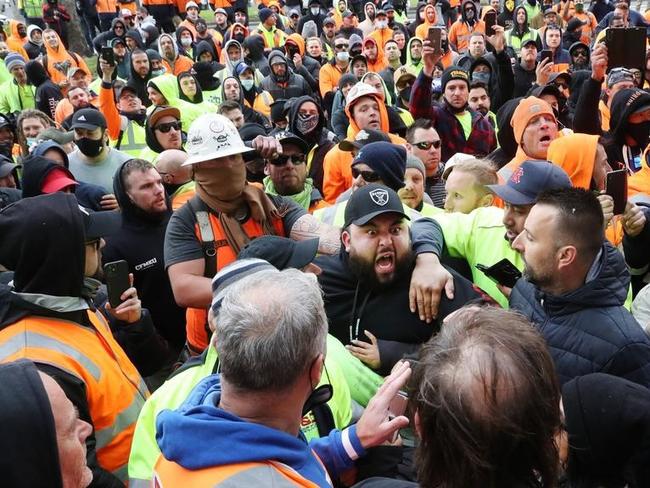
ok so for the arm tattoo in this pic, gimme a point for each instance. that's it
(307, 227)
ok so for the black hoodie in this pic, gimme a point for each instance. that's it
(102, 39)
(506, 137)
(624, 103)
(198, 98)
(140, 242)
(28, 429)
(204, 73)
(255, 57)
(47, 93)
(608, 422)
(203, 47)
(35, 170)
(182, 50)
(136, 36)
(139, 83)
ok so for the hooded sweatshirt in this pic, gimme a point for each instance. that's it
(32, 48)
(29, 432)
(180, 62)
(204, 73)
(409, 59)
(167, 85)
(624, 103)
(422, 30)
(35, 170)
(256, 58)
(47, 94)
(575, 154)
(103, 39)
(58, 61)
(379, 63)
(507, 143)
(250, 115)
(185, 50)
(14, 41)
(135, 35)
(294, 85)
(229, 68)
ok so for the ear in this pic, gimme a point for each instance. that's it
(316, 370)
(267, 170)
(567, 256)
(486, 200)
(409, 148)
(345, 239)
(417, 423)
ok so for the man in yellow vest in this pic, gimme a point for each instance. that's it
(49, 316)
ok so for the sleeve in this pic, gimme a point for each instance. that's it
(290, 209)
(75, 390)
(181, 244)
(338, 450)
(586, 118)
(420, 102)
(390, 352)
(325, 80)
(635, 249)
(333, 185)
(631, 362)
(427, 237)
(64, 13)
(452, 37)
(457, 233)
(506, 79)
(109, 109)
(48, 17)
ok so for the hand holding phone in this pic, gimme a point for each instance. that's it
(434, 35)
(108, 56)
(502, 273)
(616, 187)
(490, 20)
(117, 281)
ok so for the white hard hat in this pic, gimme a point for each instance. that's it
(213, 136)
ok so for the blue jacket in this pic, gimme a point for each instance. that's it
(589, 330)
(201, 435)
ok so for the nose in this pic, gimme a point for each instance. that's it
(85, 431)
(359, 181)
(518, 243)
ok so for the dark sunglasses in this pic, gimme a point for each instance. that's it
(296, 159)
(368, 176)
(426, 145)
(341, 46)
(167, 126)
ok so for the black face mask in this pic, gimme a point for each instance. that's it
(90, 147)
(239, 38)
(405, 93)
(640, 133)
(291, 51)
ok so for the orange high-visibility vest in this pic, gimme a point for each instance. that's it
(198, 335)
(115, 390)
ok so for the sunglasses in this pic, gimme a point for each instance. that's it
(426, 145)
(296, 159)
(340, 46)
(368, 176)
(167, 126)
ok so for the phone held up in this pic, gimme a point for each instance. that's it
(116, 274)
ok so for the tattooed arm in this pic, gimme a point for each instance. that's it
(307, 227)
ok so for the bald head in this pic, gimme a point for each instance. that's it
(168, 163)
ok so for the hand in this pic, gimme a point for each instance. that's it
(428, 280)
(130, 310)
(297, 61)
(374, 427)
(599, 62)
(505, 290)
(607, 205)
(498, 39)
(64, 84)
(366, 352)
(633, 219)
(543, 71)
(107, 70)
(430, 57)
(109, 202)
(267, 147)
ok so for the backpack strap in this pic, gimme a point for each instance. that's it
(206, 235)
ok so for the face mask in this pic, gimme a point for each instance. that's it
(314, 11)
(247, 84)
(405, 93)
(158, 72)
(343, 56)
(382, 24)
(640, 133)
(306, 123)
(192, 15)
(31, 141)
(481, 77)
(186, 42)
(90, 147)
(239, 38)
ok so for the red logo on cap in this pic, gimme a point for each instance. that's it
(516, 176)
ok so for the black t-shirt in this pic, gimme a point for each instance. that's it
(181, 243)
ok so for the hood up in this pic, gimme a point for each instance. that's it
(575, 154)
(35, 169)
(255, 46)
(130, 212)
(315, 135)
(136, 36)
(36, 74)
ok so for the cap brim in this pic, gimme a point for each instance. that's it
(5, 169)
(296, 141)
(349, 146)
(367, 218)
(58, 184)
(102, 224)
(81, 125)
(200, 158)
(303, 253)
(641, 109)
(510, 195)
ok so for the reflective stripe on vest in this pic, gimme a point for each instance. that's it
(115, 391)
(133, 143)
(196, 318)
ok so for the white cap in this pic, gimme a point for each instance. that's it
(191, 4)
(361, 90)
(213, 136)
(453, 161)
(125, 12)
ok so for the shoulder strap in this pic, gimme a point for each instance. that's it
(206, 235)
(75, 57)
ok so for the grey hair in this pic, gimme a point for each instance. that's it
(270, 328)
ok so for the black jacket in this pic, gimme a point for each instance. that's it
(47, 94)
(524, 80)
(102, 39)
(140, 243)
(589, 330)
(139, 83)
(34, 50)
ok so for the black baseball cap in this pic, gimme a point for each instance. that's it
(529, 180)
(6, 166)
(88, 118)
(281, 252)
(286, 137)
(99, 224)
(363, 137)
(372, 200)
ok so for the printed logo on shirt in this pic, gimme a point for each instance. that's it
(146, 264)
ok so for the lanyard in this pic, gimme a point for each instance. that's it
(354, 325)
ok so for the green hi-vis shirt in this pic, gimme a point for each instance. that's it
(345, 372)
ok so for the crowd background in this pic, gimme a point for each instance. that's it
(360, 243)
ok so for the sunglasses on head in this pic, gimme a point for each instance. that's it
(426, 145)
(368, 176)
(296, 159)
(167, 126)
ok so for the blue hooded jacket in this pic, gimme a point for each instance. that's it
(201, 435)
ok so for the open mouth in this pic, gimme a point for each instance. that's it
(385, 263)
(546, 138)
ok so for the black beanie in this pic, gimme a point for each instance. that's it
(386, 159)
(454, 73)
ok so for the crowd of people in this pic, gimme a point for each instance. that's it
(328, 245)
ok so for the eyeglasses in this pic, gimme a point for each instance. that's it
(426, 145)
(368, 176)
(341, 46)
(167, 126)
(296, 159)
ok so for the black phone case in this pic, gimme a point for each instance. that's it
(626, 48)
(117, 281)
(504, 273)
(616, 187)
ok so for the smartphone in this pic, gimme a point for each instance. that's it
(490, 20)
(503, 273)
(546, 54)
(435, 38)
(626, 47)
(108, 55)
(117, 281)
(397, 407)
(616, 187)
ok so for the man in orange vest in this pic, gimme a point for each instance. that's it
(247, 425)
(208, 232)
(49, 316)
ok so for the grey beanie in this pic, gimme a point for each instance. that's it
(416, 163)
